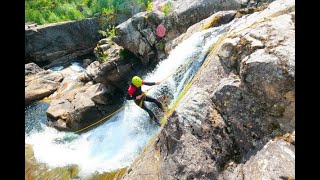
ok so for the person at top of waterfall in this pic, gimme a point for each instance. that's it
(135, 93)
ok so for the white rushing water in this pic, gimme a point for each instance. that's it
(115, 143)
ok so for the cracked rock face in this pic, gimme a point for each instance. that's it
(275, 161)
(61, 41)
(194, 144)
(80, 106)
(263, 56)
(248, 87)
(138, 34)
(240, 112)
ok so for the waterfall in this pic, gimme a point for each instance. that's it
(117, 142)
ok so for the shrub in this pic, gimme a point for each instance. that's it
(48, 11)
(167, 9)
(52, 17)
(149, 6)
(110, 32)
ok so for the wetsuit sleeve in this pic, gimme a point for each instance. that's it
(148, 83)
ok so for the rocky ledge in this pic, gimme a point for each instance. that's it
(237, 120)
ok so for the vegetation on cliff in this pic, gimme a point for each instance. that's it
(50, 11)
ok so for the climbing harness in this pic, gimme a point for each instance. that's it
(143, 97)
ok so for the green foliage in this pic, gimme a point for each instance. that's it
(104, 56)
(86, 11)
(49, 11)
(149, 6)
(211, 23)
(52, 17)
(161, 45)
(108, 11)
(103, 33)
(167, 9)
(110, 32)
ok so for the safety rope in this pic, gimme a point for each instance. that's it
(213, 48)
(144, 93)
(101, 119)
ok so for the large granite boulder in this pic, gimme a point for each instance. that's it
(40, 83)
(80, 107)
(138, 34)
(275, 161)
(59, 42)
(31, 68)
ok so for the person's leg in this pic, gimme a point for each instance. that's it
(150, 99)
(152, 116)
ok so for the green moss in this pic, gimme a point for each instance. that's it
(63, 173)
(29, 151)
(167, 9)
(149, 6)
(102, 58)
(161, 46)
(163, 120)
(211, 23)
(109, 33)
(74, 170)
(106, 53)
(113, 175)
(234, 56)
(149, 142)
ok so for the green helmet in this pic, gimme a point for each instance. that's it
(137, 81)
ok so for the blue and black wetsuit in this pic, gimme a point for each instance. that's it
(133, 92)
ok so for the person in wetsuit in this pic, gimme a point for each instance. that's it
(135, 93)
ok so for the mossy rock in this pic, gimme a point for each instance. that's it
(113, 175)
(212, 23)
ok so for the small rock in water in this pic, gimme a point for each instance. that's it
(68, 137)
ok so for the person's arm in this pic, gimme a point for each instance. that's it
(150, 83)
